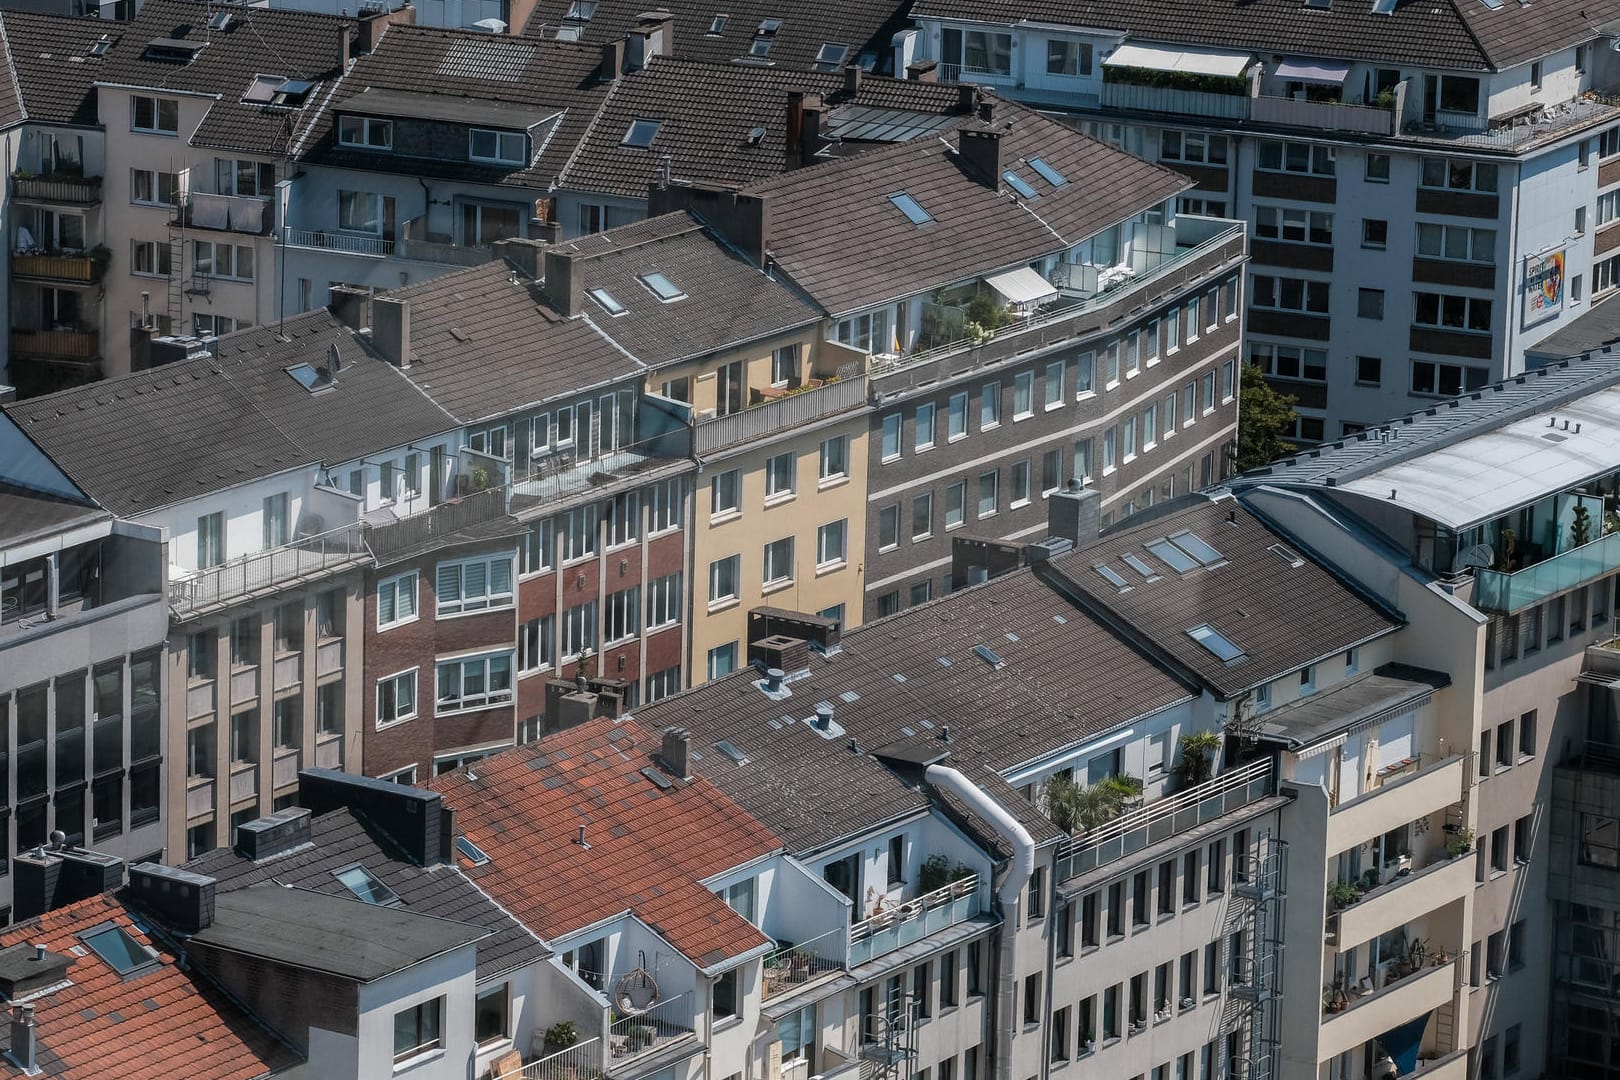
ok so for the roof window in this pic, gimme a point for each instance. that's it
(262, 89)
(471, 851)
(311, 378)
(718, 26)
(366, 885)
(292, 92)
(641, 133)
(221, 20)
(1216, 642)
(831, 57)
(1135, 562)
(989, 656)
(1197, 547)
(730, 750)
(769, 27)
(1047, 173)
(911, 208)
(581, 10)
(173, 50)
(663, 288)
(1287, 555)
(1110, 575)
(101, 45)
(1172, 556)
(1019, 184)
(119, 950)
(608, 302)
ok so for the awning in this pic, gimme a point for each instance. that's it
(1184, 61)
(1322, 71)
(1021, 286)
(1402, 1043)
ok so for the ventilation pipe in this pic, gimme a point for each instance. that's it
(1020, 868)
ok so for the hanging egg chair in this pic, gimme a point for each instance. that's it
(636, 991)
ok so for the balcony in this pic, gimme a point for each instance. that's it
(780, 414)
(417, 243)
(796, 967)
(57, 346)
(59, 267)
(284, 768)
(582, 1061)
(371, 247)
(266, 572)
(1167, 99)
(57, 190)
(1496, 590)
(1388, 1006)
(200, 698)
(225, 213)
(244, 782)
(1388, 906)
(1395, 803)
(667, 1022)
(1165, 818)
(329, 657)
(199, 797)
(329, 752)
(560, 475)
(913, 920)
(1321, 115)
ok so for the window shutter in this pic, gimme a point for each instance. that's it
(385, 603)
(449, 584)
(500, 576)
(405, 596)
(474, 581)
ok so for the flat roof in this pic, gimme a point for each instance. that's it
(1354, 702)
(381, 101)
(1598, 328)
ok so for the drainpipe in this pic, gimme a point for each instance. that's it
(1019, 869)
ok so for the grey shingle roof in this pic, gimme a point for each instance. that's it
(51, 68)
(342, 839)
(292, 44)
(1254, 597)
(26, 513)
(708, 112)
(817, 213)
(1064, 678)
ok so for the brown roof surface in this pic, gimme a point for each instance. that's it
(708, 113)
(159, 1023)
(1281, 616)
(292, 44)
(51, 72)
(650, 846)
(817, 213)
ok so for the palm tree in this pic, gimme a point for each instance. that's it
(1198, 750)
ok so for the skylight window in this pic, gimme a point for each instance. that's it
(1172, 556)
(663, 288)
(262, 90)
(730, 750)
(581, 10)
(831, 56)
(1110, 575)
(292, 92)
(761, 46)
(989, 656)
(310, 377)
(119, 950)
(1019, 184)
(642, 133)
(911, 208)
(1216, 642)
(1196, 546)
(606, 299)
(1047, 173)
(718, 26)
(1135, 563)
(365, 885)
(101, 46)
(221, 20)
(1287, 555)
(769, 27)
(471, 851)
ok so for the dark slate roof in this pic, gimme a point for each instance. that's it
(815, 212)
(461, 66)
(1063, 679)
(341, 839)
(1598, 328)
(728, 300)
(292, 44)
(708, 112)
(1253, 596)
(867, 28)
(51, 71)
(26, 513)
(485, 344)
(1355, 702)
(347, 938)
(1521, 32)
(174, 432)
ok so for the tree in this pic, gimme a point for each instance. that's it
(1264, 416)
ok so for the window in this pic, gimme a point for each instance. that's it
(1128, 439)
(473, 682)
(1374, 234)
(1600, 841)
(276, 527)
(723, 574)
(365, 132)
(1523, 836)
(1504, 745)
(154, 115)
(1216, 882)
(1499, 849)
(1377, 168)
(1445, 380)
(982, 52)
(1294, 225)
(1084, 366)
(1459, 93)
(1060, 1035)
(1527, 735)
(956, 504)
(1512, 1052)
(1141, 889)
(1054, 384)
(148, 187)
(722, 660)
(210, 540)
(1023, 395)
(1110, 449)
(889, 527)
(118, 950)
(621, 613)
(922, 516)
(1370, 303)
(231, 261)
(1189, 885)
(1193, 147)
(396, 698)
(1289, 361)
(1458, 243)
(891, 437)
(244, 732)
(779, 476)
(778, 561)
(575, 533)
(1278, 156)
(987, 493)
(492, 1011)
(785, 365)
(1495, 958)
(1167, 887)
(664, 601)
(725, 491)
(416, 1030)
(923, 436)
(1606, 274)
(831, 543)
(501, 147)
(957, 417)
(578, 629)
(537, 644)
(473, 584)
(1369, 370)
(1067, 57)
(149, 258)
(989, 406)
(1290, 294)
(1455, 174)
(1020, 484)
(1208, 395)
(1609, 142)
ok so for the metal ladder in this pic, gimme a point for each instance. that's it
(177, 268)
(1257, 910)
(889, 1041)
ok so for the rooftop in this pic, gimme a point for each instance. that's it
(651, 838)
(1209, 586)
(54, 64)
(1355, 703)
(344, 937)
(27, 513)
(106, 1024)
(1598, 328)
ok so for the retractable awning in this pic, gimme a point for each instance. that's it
(1183, 61)
(1321, 71)
(1021, 286)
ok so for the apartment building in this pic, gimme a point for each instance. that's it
(54, 257)
(202, 110)
(1427, 186)
(82, 679)
(991, 386)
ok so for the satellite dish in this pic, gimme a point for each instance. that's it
(1480, 555)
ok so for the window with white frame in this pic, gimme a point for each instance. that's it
(834, 463)
(499, 147)
(1459, 243)
(1020, 484)
(956, 423)
(1447, 311)
(1192, 147)
(535, 548)
(150, 115)
(956, 504)
(396, 600)
(779, 476)
(495, 440)
(1294, 225)
(365, 132)
(621, 614)
(1084, 369)
(578, 629)
(989, 406)
(725, 490)
(785, 365)
(1023, 395)
(1289, 361)
(251, 179)
(722, 660)
(221, 260)
(1290, 294)
(665, 503)
(1082, 461)
(778, 562)
(723, 578)
(988, 493)
(149, 258)
(1065, 56)
(475, 584)
(661, 684)
(890, 445)
(664, 601)
(575, 532)
(923, 432)
(1458, 174)
(1054, 384)
(149, 187)
(832, 545)
(396, 698)
(1606, 274)
(1311, 159)
(922, 516)
(360, 212)
(624, 519)
(473, 682)
(537, 643)
(889, 527)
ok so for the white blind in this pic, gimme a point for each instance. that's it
(1395, 738)
(449, 583)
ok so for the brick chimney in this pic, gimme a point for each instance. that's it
(981, 152)
(612, 60)
(967, 98)
(676, 752)
(654, 35)
(812, 121)
(523, 254)
(852, 80)
(391, 329)
(923, 71)
(565, 281)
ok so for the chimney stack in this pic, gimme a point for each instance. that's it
(824, 716)
(612, 60)
(565, 281)
(923, 71)
(987, 108)
(342, 49)
(180, 898)
(981, 151)
(391, 329)
(812, 118)
(24, 1045)
(967, 98)
(1075, 514)
(852, 80)
(676, 752)
(654, 35)
(524, 255)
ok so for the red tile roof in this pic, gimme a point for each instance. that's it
(159, 1023)
(649, 846)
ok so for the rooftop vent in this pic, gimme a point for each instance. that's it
(180, 898)
(27, 968)
(274, 834)
(824, 716)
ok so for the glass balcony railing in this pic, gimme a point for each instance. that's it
(913, 920)
(1496, 590)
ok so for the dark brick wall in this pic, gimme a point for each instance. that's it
(290, 1000)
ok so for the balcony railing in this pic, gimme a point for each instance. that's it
(427, 528)
(200, 698)
(244, 782)
(69, 190)
(559, 475)
(913, 920)
(779, 414)
(794, 967)
(1165, 818)
(75, 346)
(1321, 115)
(582, 1061)
(657, 1027)
(225, 213)
(266, 571)
(72, 268)
(1169, 99)
(199, 798)
(329, 752)
(1495, 590)
(372, 247)
(284, 769)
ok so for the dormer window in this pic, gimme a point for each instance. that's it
(581, 10)
(500, 147)
(365, 132)
(831, 57)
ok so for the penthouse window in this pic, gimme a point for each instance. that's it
(473, 682)
(473, 584)
(981, 51)
(366, 132)
(1295, 157)
(499, 147)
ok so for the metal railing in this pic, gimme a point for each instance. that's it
(582, 1061)
(778, 414)
(76, 190)
(913, 920)
(425, 529)
(1164, 818)
(1065, 311)
(1169, 99)
(265, 570)
(1495, 590)
(794, 966)
(658, 1026)
(1323, 115)
(348, 243)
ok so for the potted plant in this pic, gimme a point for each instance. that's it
(1333, 996)
(561, 1035)
(1342, 894)
(642, 1035)
(1417, 952)
(1089, 1042)
(799, 964)
(1460, 843)
(1198, 751)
